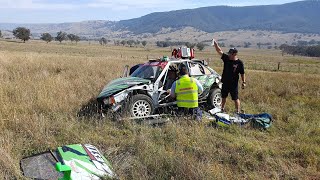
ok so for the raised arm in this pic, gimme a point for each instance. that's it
(217, 47)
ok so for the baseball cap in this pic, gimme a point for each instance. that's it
(232, 51)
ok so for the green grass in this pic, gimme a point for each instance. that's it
(44, 86)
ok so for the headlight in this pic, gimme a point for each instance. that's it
(109, 101)
(106, 101)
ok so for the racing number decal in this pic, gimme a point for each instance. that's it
(97, 159)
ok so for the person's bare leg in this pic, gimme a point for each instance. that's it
(237, 105)
(223, 103)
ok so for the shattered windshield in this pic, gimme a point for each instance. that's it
(147, 72)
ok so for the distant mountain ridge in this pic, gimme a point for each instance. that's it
(300, 16)
(297, 17)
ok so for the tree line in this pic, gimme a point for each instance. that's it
(311, 51)
(25, 34)
(103, 41)
(200, 45)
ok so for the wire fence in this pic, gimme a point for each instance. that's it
(309, 68)
(276, 66)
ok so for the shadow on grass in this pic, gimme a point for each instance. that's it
(12, 41)
(89, 109)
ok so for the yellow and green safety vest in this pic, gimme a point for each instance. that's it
(186, 92)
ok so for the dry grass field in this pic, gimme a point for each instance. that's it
(44, 86)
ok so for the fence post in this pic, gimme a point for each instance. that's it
(255, 65)
(299, 67)
(278, 66)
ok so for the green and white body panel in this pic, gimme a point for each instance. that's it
(85, 162)
(71, 162)
(120, 84)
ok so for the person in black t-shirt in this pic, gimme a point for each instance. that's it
(232, 67)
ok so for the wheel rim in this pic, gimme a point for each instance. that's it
(141, 108)
(217, 100)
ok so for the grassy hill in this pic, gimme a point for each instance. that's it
(44, 86)
(291, 17)
(297, 17)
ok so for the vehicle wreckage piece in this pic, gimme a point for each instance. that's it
(152, 119)
(71, 162)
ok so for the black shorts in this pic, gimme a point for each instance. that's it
(232, 89)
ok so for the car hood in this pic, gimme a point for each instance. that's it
(120, 84)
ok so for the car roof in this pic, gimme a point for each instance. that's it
(161, 64)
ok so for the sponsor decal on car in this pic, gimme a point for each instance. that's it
(97, 158)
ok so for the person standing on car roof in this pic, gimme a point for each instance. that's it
(186, 90)
(232, 67)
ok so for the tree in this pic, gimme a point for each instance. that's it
(22, 33)
(61, 36)
(259, 45)
(201, 46)
(190, 45)
(130, 42)
(311, 42)
(163, 43)
(283, 48)
(144, 43)
(103, 41)
(302, 43)
(0, 34)
(313, 51)
(116, 42)
(123, 42)
(247, 44)
(46, 37)
(71, 37)
(77, 39)
(137, 42)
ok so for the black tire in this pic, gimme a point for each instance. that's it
(141, 105)
(214, 98)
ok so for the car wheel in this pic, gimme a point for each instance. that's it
(214, 99)
(141, 105)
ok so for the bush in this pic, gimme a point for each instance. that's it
(201, 46)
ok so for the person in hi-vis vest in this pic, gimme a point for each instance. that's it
(186, 90)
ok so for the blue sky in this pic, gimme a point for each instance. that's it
(58, 11)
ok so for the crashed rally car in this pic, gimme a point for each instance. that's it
(144, 92)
